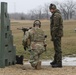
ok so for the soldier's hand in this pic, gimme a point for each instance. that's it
(54, 38)
(45, 45)
(25, 48)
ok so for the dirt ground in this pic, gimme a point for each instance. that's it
(28, 70)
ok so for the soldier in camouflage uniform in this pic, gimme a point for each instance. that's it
(37, 43)
(56, 29)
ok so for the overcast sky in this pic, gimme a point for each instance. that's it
(25, 5)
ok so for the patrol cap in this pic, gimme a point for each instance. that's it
(52, 6)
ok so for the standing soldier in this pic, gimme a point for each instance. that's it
(56, 29)
(37, 45)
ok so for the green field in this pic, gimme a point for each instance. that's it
(68, 40)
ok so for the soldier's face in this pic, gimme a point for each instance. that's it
(52, 10)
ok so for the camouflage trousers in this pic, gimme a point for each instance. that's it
(58, 51)
(35, 54)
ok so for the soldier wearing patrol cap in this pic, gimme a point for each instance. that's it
(37, 43)
(56, 30)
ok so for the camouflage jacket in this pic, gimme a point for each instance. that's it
(56, 26)
(36, 36)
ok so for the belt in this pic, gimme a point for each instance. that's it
(37, 42)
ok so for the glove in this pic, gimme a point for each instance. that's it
(25, 48)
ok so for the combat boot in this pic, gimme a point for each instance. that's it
(52, 63)
(38, 66)
(57, 65)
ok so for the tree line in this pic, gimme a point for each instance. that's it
(67, 9)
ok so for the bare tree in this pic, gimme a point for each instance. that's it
(39, 12)
(46, 10)
(68, 9)
(33, 14)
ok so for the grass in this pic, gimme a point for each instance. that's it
(68, 40)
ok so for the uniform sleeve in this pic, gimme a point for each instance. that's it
(45, 36)
(26, 36)
(56, 23)
(50, 26)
